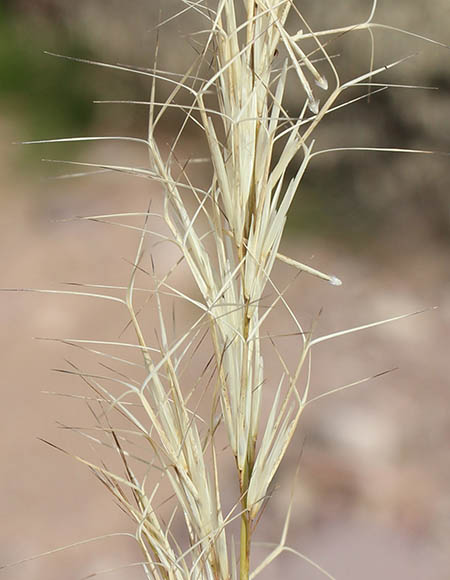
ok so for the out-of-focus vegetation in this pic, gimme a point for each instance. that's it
(47, 96)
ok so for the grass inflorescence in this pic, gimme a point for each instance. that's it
(228, 234)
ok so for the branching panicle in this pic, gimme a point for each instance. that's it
(228, 234)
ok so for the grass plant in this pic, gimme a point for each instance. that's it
(169, 433)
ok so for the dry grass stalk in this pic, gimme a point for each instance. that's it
(230, 242)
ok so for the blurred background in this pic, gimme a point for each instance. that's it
(372, 499)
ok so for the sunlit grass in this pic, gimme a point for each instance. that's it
(165, 428)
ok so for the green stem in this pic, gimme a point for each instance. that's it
(245, 548)
(245, 528)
